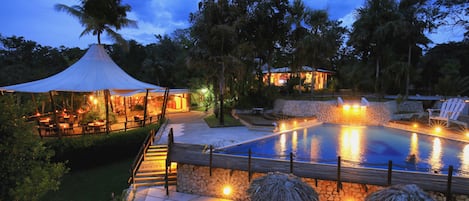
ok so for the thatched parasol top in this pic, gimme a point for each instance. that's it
(400, 192)
(281, 187)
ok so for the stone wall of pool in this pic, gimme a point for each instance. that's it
(377, 113)
(196, 179)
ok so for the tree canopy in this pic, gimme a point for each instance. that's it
(99, 16)
(27, 173)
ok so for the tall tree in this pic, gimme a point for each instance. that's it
(454, 13)
(99, 16)
(322, 41)
(27, 173)
(370, 37)
(416, 17)
(215, 37)
(297, 15)
(269, 29)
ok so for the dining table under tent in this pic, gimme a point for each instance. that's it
(93, 72)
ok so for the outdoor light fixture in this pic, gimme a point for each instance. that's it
(438, 129)
(227, 190)
(346, 107)
(355, 107)
(204, 90)
(415, 125)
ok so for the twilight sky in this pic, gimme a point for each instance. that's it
(37, 20)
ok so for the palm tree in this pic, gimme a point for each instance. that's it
(414, 20)
(215, 37)
(99, 16)
(298, 14)
(371, 36)
(322, 41)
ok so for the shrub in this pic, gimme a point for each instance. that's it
(93, 150)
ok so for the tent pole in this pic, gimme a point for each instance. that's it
(106, 100)
(56, 121)
(125, 113)
(71, 105)
(145, 109)
(35, 103)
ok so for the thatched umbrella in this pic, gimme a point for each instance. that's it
(400, 192)
(281, 187)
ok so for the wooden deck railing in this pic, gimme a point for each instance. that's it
(194, 154)
(140, 156)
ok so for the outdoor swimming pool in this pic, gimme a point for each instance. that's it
(362, 146)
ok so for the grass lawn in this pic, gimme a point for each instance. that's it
(95, 184)
(229, 121)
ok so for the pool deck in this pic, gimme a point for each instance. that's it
(189, 127)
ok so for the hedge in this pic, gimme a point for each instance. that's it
(89, 151)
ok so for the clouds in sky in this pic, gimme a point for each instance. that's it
(37, 20)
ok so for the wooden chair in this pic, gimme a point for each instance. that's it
(449, 112)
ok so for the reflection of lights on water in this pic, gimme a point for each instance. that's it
(283, 142)
(414, 146)
(350, 143)
(464, 156)
(314, 149)
(294, 141)
(435, 156)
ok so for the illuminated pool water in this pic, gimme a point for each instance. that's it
(366, 146)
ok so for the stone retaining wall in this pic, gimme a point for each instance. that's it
(377, 113)
(197, 180)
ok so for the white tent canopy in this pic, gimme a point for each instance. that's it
(93, 72)
(158, 92)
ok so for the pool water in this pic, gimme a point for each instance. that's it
(362, 146)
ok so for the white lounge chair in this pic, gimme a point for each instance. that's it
(449, 112)
(364, 102)
(340, 101)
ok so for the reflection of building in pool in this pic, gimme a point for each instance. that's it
(280, 76)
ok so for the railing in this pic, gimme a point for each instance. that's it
(168, 160)
(194, 154)
(85, 129)
(141, 155)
